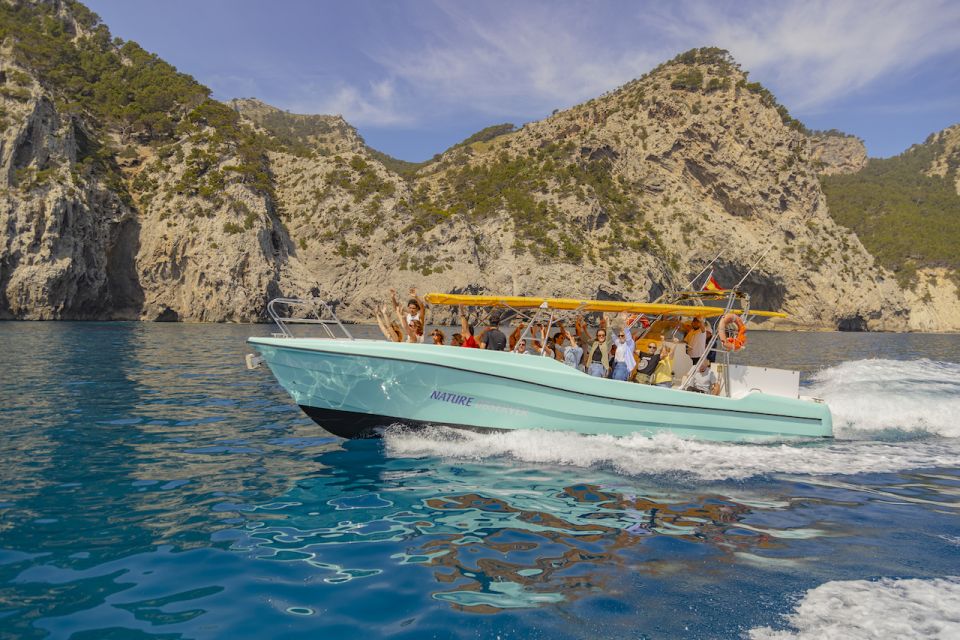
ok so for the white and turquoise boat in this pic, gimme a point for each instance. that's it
(353, 388)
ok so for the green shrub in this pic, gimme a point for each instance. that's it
(690, 80)
(905, 218)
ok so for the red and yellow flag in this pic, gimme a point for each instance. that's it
(712, 285)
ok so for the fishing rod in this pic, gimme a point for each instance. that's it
(704, 270)
(755, 265)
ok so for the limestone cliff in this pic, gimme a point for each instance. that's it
(69, 241)
(835, 152)
(194, 210)
(946, 163)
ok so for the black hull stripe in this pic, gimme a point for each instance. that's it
(351, 424)
(547, 386)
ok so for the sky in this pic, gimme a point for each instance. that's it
(416, 76)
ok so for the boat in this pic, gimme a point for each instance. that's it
(353, 388)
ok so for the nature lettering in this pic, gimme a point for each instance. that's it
(452, 398)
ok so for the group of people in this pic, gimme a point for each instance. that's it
(619, 358)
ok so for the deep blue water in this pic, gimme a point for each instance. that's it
(150, 486)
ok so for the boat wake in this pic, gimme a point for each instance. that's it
(669, 455)
(891, 399)
(885, 608)
(889, 416)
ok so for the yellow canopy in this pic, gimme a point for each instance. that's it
(571, 304)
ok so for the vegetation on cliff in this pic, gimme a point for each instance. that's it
(112, 86)
(116, 82)
(908, 219)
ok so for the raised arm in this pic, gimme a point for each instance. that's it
(384, 324)
(398, 310)
(581, 329)
(464, 325)
(629, 339)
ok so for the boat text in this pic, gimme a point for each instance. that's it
(452, 398)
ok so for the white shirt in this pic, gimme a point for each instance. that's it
(624, 351)
(698, 345)
(703, 381)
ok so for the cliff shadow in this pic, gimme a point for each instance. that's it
(123, 283)
(767, 292)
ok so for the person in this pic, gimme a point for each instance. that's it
(557, 341)
(491, 337)
(456, 340)
(663, 373)
(704, 380)
(390, 330)
(572, 353)
(415, 332)
(466, 334)
(712, 353)
(521, 348)
(695, 337)
(623, 362)
(438, 337)
(414, 316)
(548, 349)
(542, 343)
(597, 359)
(647, 365)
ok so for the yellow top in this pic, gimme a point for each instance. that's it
(571, 304)
(664, 371)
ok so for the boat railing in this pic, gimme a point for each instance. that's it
(314, 311)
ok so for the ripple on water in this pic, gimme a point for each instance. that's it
(152, 486)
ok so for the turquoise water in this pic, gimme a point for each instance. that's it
(150, 486)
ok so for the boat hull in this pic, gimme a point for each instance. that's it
(352, 387)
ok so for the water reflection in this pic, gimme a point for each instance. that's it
(497, 538)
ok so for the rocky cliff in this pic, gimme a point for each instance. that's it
(201, 211)
(69, 240)
(946, 162)
(836, 152)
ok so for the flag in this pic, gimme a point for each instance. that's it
(711, 284)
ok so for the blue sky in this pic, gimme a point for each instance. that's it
(415, 76)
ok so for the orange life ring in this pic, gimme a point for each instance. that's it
(732, 343)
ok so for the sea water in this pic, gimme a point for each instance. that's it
(151, 487)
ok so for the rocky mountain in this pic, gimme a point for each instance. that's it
(837, 152)
(128, 193)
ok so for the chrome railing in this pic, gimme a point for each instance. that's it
(313, 311)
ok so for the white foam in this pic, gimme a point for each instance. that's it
(870, 397)
(667, 454)
(884, 414)
(886, 608)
